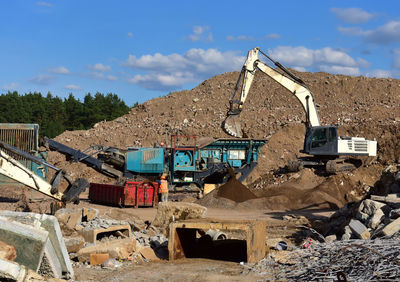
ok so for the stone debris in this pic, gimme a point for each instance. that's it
(376, 216)
(357, 260)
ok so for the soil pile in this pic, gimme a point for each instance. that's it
(235, 191)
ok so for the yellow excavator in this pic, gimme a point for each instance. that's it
(322, 143)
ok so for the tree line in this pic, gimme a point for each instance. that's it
(55, 115)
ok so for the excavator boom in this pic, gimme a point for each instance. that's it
(293, 84)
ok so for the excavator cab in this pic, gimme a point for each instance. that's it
(321, 140)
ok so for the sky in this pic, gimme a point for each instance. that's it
(140, 50)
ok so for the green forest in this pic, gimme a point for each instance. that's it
(55, 115)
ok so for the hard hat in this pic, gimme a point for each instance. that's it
(162, 176)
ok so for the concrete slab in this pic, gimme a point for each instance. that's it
(359, 229)
(55, 249)
(29, 242)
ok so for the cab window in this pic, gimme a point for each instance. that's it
(319, 138)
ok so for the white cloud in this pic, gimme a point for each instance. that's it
(10, 87)
(199, 34)
(72, 87)
(273, 36)
(100, 67)
(59, 70)
(251, 38)
(101, 75)
(239, 38)
(44, 4)
(325, 59)
(340, 69)
(159, 81)
(396, 58)
(379, 73)
(130, 34)
(42, 79)
(293, 56)
(179, 69)
(352, 15)
(385, 34)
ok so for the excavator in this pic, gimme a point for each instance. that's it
(322, 143)
(15, 170)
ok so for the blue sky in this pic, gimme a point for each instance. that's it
(145, 49)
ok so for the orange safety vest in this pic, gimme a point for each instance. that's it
(163, 186)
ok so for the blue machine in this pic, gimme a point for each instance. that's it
(186, 166)
(196, 164)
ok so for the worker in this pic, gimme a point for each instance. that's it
(163, 189)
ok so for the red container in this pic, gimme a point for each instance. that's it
(137, 194)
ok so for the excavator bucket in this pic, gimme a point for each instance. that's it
(231, 125)
(71, 194)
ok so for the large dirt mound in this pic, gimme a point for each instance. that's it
(366, 107)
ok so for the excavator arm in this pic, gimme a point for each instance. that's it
(287, 79)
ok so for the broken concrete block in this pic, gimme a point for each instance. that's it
(374, 221)
(12, 271)
(346, 236)
(92, 235)
(168, 212)
(54, 249)
(7, 251)
(96, 259)
(118, 249)
(69, 217)
(29, 242)
(359, 229)
(369, 207)
(149, 254)
(391, 228)
(74, 244)
(88, 214)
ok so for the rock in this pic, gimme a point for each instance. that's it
(74, 244)
(111, 263)
(346, 236)
(330, 238)
(148, 254)
(69, 218)
(369, 207)
(168, 212)
(96, 259)
(88, 214)
(359, 229)
(118, 249)
(7, 252)
(374, 221)
(391, 228)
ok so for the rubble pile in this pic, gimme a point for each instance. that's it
(373, 217)
(354, 260)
